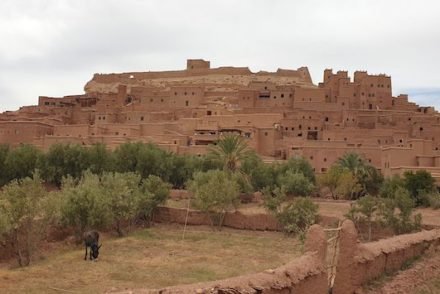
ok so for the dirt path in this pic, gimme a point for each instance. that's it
(422, 277)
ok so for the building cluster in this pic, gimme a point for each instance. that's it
(280, 114)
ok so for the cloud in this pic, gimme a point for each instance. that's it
(54, 46)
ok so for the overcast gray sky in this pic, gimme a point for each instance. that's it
(53, 47)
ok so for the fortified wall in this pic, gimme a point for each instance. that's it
(280, 114)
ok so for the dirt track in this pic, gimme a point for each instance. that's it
(419, 278)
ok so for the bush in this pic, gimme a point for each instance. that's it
(261, 174)
(154, 193)
(397, 212)
(418, 184)
(295, 183)
(26, 210)
(20, 162)
(64, 160)
(363, 211)
(4, 177)
(215, 192)
(298, 165)
(295, 217)
(123, 197)
(340, 182)
(390, 186)
(434, 200)
(85, 206)
(298, 216)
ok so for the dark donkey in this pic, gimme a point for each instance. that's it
(91, 239)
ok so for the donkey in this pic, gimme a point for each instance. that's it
(91, 239)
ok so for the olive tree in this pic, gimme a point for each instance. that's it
(215, 192)
(26, 210)
(154, 192)
(122, 195)
(84, 205)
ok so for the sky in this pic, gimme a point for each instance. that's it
(53, 47)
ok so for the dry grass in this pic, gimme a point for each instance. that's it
(429, 287)
(152, 258)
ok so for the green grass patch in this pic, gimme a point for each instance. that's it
(153, 258)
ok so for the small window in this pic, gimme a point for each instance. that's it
(142, 118)
(265, 133)
(325, 159)
(186, 103)
(282, 95)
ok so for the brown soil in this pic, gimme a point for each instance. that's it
(422, 277)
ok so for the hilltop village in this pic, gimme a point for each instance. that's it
(280, 114)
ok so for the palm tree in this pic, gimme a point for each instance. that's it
(230, 151)
(354, 163)
(360, 170)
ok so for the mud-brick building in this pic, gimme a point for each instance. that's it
(280, 114)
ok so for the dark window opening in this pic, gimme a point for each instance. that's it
(312, 135)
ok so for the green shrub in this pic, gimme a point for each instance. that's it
(434, 200)
(123, 197)
(298, 216)
(26, 210)
(363, 211)
(397, 212)
(85, 206)
(154, 193)
(296, 183)
(295, 217)
(215, 192)
(418, 184)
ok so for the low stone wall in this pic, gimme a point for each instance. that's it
(235, 220)
(389, 255)
(361, 263)
(306, 274)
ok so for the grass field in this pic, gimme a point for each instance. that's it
(152, 258)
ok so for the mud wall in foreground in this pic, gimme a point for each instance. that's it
(361, 263)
